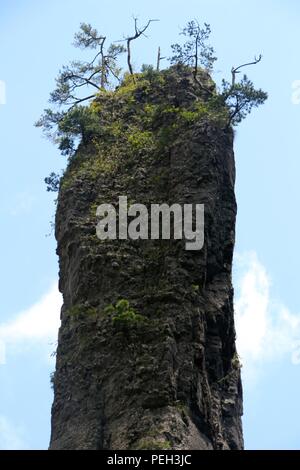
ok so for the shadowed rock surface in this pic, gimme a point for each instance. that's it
(146, 354)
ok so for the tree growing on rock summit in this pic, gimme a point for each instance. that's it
(72, 118)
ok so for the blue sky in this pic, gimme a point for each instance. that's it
(35, 40)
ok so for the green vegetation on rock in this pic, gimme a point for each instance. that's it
(123, 114)
(124, 316)
(80, 309)
(152, 444)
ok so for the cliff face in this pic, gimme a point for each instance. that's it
(159, 369)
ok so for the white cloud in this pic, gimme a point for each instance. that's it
(37, 325)
(11, 436)
(2, 352)
(266, 329)
(2, 92)
(295, 98)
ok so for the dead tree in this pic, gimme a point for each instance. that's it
(159, 59)
(138, 32)
(235, 70)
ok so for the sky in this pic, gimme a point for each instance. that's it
(35, 41)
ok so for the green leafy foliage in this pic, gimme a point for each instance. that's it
(124, 317)
(195, 51)
(95, 102)
(65, 129)
(53, 181)
(79, 82)
(80, 309)
(240, 98)
(152, 444)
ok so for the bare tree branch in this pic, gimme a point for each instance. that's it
(129, 39)
(235, 70)
(103, 68)
(86, 81)
(159, 59)
(80, 100)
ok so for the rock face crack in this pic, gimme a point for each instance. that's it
(146, 354)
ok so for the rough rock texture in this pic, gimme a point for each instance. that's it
(166, 375)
